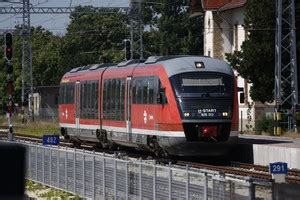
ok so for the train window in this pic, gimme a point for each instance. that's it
(139, 91)
(105, 104)
(60, 97)
(150, 92)
(122, 99)
(108, 99)
(117, 99)
(206, 85)
(134, 91)
(113, 99)
(89, 100)
(66, 93)
(145, 90)
(96, 85)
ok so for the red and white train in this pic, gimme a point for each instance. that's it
(175, 105)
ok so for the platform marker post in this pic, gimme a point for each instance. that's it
(279, 170)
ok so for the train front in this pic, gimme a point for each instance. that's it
(205, 92)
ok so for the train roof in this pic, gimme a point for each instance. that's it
(172, 64)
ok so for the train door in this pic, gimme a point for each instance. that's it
(77, 107)
(128, 109)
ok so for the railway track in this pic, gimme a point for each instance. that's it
(234, 168)
(245, 169)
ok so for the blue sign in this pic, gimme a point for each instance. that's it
(278, 168)
(50, 139)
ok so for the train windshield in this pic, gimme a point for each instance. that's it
(202, 84)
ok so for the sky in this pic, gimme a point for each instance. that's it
(57, 23)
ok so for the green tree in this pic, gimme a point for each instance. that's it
(93, 36)
(256, 60)
(47, 59)
(172, 31)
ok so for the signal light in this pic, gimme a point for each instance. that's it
(8, 46)
(8, 53)
(10, 87)
(127, 49)
(9, 68)
(8, 39)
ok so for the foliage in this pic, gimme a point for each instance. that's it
(264, 125)
(48, 193)
(94, 37)
(36, 128)
(176, 33)
(255, 61)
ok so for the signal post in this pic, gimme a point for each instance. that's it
(9, 82)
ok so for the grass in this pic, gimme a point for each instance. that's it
(36, 128)
(46, 192)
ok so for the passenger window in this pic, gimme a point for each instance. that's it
(139, 88)
(151, 90)
(161, 94)
(145, 90)
(122, 98)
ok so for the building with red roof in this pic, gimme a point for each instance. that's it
(224, 33)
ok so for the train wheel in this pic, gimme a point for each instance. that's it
(155, 148)
(76, 144)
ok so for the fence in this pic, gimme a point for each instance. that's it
(99, 176)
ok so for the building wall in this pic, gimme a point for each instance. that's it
(224, 33)
(208, 34)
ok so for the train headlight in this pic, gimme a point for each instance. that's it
(225, 114)
(186, 114)
(199, 65)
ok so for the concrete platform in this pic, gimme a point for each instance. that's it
(268, 149)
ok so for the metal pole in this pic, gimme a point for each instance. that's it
(36, 163)
(136, 28)
(43, 157)
(58, 163)
(50, 166)
(251, 190)
(103, 174)
(115, 177)
(154, 181)
(74, 171)
(29, 163)
(141, 172)
(126, 179)
(170, 181)
(93, 181)
(83, 174)
(293, 55)
(205, 190)
(286, 69)
(27, 57)
(66, 171)
(141, 30)
(187, 183)
(241, 121)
